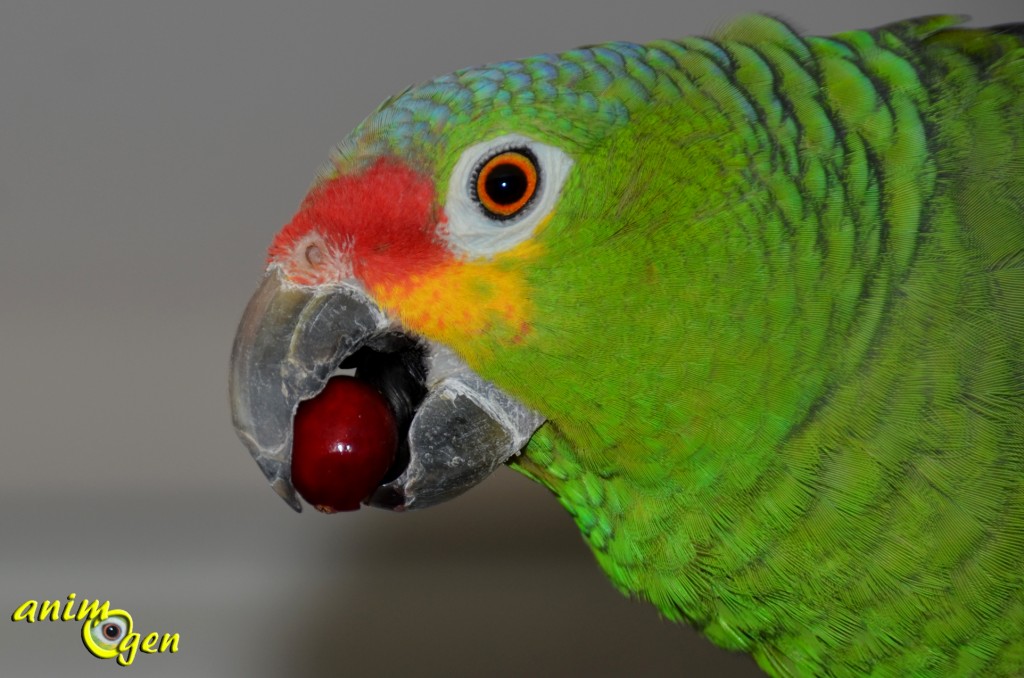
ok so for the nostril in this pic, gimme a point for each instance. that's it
(314, 255)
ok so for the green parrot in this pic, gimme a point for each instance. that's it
(750, 306)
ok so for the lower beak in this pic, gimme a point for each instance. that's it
(458, 428)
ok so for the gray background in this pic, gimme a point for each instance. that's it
(148, 153)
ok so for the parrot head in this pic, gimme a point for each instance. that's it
(427, 257)
(464, 249)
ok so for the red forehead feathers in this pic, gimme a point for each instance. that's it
(383, 217)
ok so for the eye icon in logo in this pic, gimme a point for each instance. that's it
(103, 636)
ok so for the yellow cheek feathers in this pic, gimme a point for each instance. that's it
(458, 303)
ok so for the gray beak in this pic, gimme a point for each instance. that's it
(457, 427)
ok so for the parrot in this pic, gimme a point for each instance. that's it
(751, 307)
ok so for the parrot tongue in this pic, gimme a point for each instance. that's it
(458, 428)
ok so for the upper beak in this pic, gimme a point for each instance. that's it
(457, 427)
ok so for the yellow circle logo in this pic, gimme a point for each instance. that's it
(103, 635)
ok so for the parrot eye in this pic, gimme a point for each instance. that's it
(500, 191)
(506, 182)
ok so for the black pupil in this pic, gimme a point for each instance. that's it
(506, 184)
(111, 631)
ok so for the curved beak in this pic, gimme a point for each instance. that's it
(458, 428)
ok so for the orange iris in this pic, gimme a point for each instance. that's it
(507, 182)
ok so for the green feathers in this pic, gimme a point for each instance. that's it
(780, 343)
(766, 292)
(772, 308)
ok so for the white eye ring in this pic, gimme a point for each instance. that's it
(471, 229)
